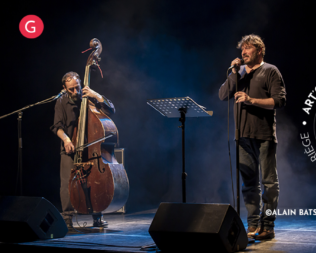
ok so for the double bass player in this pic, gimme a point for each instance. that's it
(67, 110)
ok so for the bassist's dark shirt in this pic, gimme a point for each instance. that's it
(67, 112)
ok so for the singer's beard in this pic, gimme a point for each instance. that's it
(250, 60)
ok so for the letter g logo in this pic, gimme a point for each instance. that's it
(34, 28)
(31, 26)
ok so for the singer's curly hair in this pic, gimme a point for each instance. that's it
(70, 75)
(253, 40)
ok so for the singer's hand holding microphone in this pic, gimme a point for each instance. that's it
(235, 65)
(240, 96)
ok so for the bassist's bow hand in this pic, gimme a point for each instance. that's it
(69, 147)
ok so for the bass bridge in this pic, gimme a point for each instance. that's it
(81, 171)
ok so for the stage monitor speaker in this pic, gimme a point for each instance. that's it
(29, 219)
(183, 227)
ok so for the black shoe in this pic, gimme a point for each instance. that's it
(99, 222)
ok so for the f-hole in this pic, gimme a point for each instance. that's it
(96, 157)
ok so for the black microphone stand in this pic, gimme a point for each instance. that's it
(18, 186)
(237, 135)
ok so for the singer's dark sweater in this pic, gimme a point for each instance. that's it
(264, 82)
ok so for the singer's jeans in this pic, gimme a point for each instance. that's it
(258, 159)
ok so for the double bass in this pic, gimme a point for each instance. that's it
(97, 183)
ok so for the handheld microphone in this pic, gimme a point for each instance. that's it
(234, 66)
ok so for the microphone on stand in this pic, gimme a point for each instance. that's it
(234, 66)
(62, 92)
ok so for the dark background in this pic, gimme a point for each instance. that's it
(155, 49)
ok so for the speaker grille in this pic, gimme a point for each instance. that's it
(233, 233)
(46, 223)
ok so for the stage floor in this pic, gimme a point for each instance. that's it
(129, 233)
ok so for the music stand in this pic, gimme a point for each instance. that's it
(185, 107)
